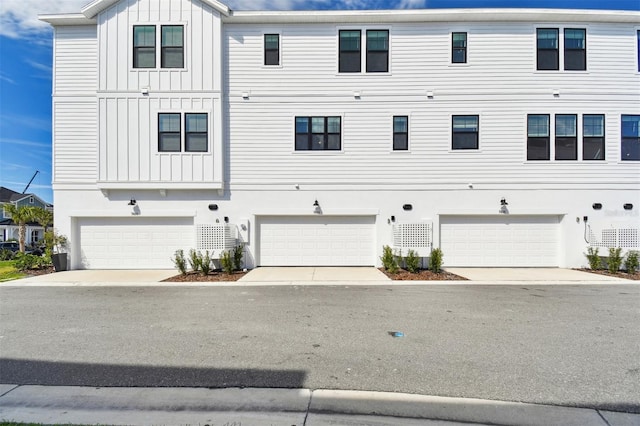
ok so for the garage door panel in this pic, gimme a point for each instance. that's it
(316, 240)
(133, 243)
(500, 240)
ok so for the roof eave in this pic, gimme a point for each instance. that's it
(67, 19)
(96, 6)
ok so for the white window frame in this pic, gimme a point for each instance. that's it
(183, 132)
(263, 51)
(323, 152)
(560, 29)
(158, 62)
(363, 49)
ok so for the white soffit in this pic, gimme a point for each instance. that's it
(97, 6)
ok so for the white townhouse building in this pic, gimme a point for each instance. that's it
(506, 137)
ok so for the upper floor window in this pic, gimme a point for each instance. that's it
(538, 137)
(459, 48)
(566, 137)
(575, 49)
(196, 132)
(465, 130)
(400, 133)
(144, 46)
(172, 55)
(349, 60)
(171, 46)
(593, 137)
(272, 49)
(318, 134)
(630, 138)
(547, 49)
(638, 48)
(377, 51)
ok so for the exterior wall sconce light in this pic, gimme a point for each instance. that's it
(430, 94)
(213, 207)
(503, 206)
(556, 93)
(596, 206)
(316, 203)
(316, 207)
(393, 219)
(628, 206)
(226, 219)
(407, 207)
(133, 202)
(503, 202)
(245, 95)
(356, 94)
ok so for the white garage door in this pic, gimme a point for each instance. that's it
(133, 243)
(316, 241)
(508, 241)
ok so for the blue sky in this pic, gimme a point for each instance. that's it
(25, 70)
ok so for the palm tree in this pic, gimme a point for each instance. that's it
(21, 215)
(44, 217)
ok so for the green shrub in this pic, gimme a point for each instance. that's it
(28, 261)
(6, 254)
(205, 263)
(435, 260)
(226, 260)
(195, 258)
(180, 262)
(389, 260)
(631, 263)
(412, 262)
(593, 258)
(238, 254)
(614, 260)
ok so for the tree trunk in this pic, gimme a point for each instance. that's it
(22, 234)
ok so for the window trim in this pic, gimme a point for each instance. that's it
(453, 133)
(394, 133)
(310, 134)
(548, 138)
(264, 49)
(466, 48)
(604, 138)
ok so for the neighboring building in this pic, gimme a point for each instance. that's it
(9, 229)
(507, 137)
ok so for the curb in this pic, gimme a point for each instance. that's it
(263, 406)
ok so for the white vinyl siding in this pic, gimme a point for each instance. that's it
(75, 60)
(316, 241)
(500, 241)
(133, 243)
(75, 129)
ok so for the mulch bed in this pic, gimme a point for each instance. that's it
(215, 276)
(41, 271)
(635, 276)
(422, 275)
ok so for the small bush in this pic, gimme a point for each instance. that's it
(593, 257)
(226, 260)
(205, 263)
(435, 260)
(6, 254)
(195, 258)
(180, 262)
(28, 261)
(412, 261)
(238, 254)
(389, 260)
(631, 263)
(614, 260)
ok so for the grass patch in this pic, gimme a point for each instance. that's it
(9, 272)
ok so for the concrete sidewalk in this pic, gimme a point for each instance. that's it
(296, 407)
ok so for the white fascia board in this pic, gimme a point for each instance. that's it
(67, 19)
(97, 6)
(433, 15)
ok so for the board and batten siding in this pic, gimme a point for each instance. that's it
(74, 105)
(499, 83)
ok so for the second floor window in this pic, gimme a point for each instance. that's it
(318, 134)
(400, 133)
(538, 137)
(593, 137)
(377, 51)
(630, 138)
(465, 131)
(547, 49)
(575, 49)
(272, 49)
(144, 46)
(459, 48)
(172, 55)
(566, 137)
(349, 60)
(196, 132)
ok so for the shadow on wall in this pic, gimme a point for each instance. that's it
(47, 373)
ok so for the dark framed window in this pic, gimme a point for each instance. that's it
(575, 49)
(144, 46)
(593, 137)
(566, 137)
(272, 49)
(638, 48)
(350, 51)
(459, 48)
(547, 49)
(465, 130)
(400, 133)
(377, 50)
(196, 132)
(538, 144)
(169, 132)
(630, 138)
(172, 46)
(318, 134)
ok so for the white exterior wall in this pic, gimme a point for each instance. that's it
(128, 135)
